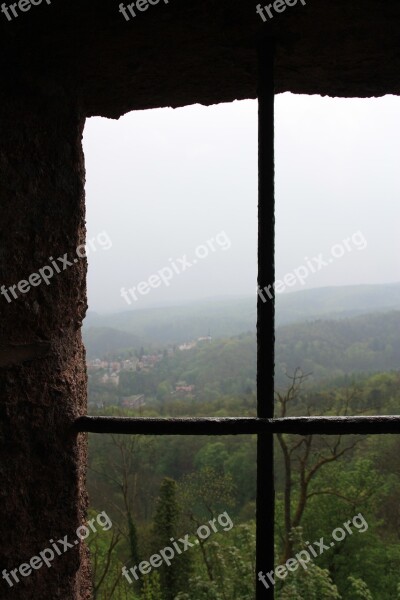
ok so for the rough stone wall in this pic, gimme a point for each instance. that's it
(42, 366)
(190, 51)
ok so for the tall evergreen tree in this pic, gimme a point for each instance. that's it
(174, 578)
(151, 587)
(133, 541)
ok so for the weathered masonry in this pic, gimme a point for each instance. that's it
(59, 64)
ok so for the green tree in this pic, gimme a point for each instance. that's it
(312, 583)
(232, 555)
(359, 589)
(303, 458)
(213, 455)
(173, 577)
(152, 587)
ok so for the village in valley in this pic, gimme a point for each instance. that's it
(108, 371)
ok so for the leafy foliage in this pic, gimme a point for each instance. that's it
(155, 488)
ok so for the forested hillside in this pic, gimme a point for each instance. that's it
(331, 348)
(211, 476)
(325, 349)
(229, 317)
(159, 489)
(177, 324)
(221, 372)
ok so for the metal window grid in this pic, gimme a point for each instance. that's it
(265, 425)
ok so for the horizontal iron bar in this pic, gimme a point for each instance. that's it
(337, 425)
(239, 425)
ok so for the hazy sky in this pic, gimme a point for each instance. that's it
(175, 191)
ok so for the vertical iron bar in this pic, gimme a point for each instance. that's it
(265, 323)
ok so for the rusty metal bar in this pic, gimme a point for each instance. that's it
(237, 426)
(265, 322)
(165, 426)
(337, 425)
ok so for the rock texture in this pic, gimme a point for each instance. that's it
(42, 366)
(200, 51)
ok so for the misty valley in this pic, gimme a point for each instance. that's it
(337, 353)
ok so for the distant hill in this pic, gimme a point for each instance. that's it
(178, 324)
(336, 302)
(100, 341)
(228, 317)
